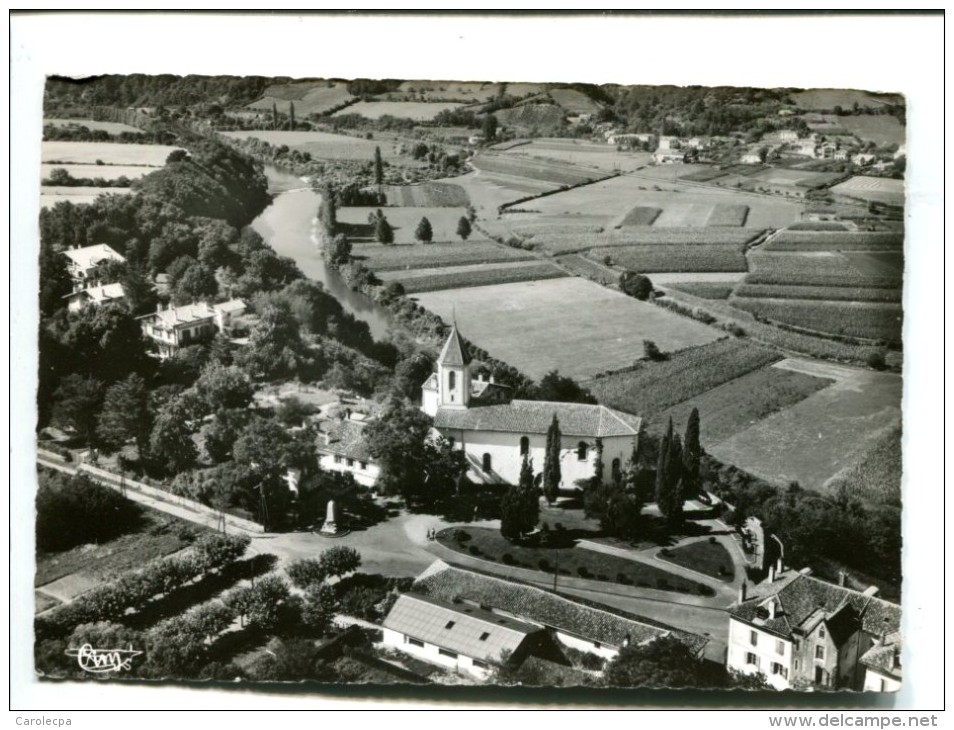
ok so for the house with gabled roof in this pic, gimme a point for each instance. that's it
(95, 296)
(190, 324)
(495, 431)
(83, 263)
(800, 631)
(342, 447)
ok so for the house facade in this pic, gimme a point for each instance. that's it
(95, 296)
(342, 448)
(799, 631)
(191, 324)
(495, 432)
(83, 264)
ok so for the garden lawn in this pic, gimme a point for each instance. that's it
(710, 558)
(576, 562)
(571, 325)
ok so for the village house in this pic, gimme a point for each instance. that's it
(668, 144)
(84, 263)
(191, 324)
(495, 432)
(788, 135)
(751, 158)
(463, 619)
(669, 158)
(800, 631)
(643, 139)
(698, 143)
(342, 448)
(863, 159)
(95, 296)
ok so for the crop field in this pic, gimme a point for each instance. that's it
(727, 215)
(459, 277)
(679, 215)
(882, 129)
(89, 153)
(569, 324)
(640, 216)
(557, 240)
(616, 196)
(818, 226)
(702, 289)
(469, 90)
(877, 189)
(107, 172)
(557, 173)
(324, 145)
(577, 152)
(435, 255)
(832, 293)
(110, 127)
(830, 98)
(575, 102)
(308, 98)
(816, 438)
(404, 221)
(427, 195)
(50, 196)
(867, 320)
(418, 110)
(798, 178)
(877, 476)
(796, 240)
(674, 257)
(818, 268)
(543, 117)
(581, 266)
(653, 387)
(741, 403)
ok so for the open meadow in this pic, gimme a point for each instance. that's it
(92, 124)
(107, 172)
(404, 221)
(379, 257)
(830, 98)
(457, 277)
(877, 189)
(569, 324)
(51, 195)
(830, 430)
(106, 153)
(308, 97)
(325, 145)
(581, 152)
(417, 110)
(535, 168)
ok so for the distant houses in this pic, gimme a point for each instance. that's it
(191, 324)
(95, 296)
(342, 448)
(84, 264)
(799, 631)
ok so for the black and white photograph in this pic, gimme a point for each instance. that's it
(445, 381)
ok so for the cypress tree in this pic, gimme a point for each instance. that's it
(674, 492)
(530, 499)
(692, 453)
(378, 167)
(662, 469)
(291, 114)
(598, 465)
(274, 115)
(551, 462)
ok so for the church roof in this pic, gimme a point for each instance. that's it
(455, 351)
(526, 416)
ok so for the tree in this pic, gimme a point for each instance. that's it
(635, 285)
(222, 433)
(340, 249)
(424, 232)
(171, 447)
(306, 572)
(692, 454)
(265, 601)
(126, 415)
(489, 126)
(561, 389)
(663, 663)
(263, 446)
(662, 466)
(463, 228)
(652, 351)
(410, 374)
(396, 440)
(274, 115)
(339, 561)
(378, 167)
(275, 347)
(383, 231)
(291, 115)
(617, 510)
(551, 462)
(221, 387)
(76, 405)
(319, 607)
(520, 506)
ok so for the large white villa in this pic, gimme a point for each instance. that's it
(495, 432)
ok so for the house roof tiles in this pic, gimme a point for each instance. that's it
(522, 416)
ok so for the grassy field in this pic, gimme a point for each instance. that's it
(640, 216)
(588, 269)
(427, 195)
(88, 153)
(674, 258)
(308, 98)
(577, 562)
(581, 152)
(882, 129)
(50, 196)
(404, 221)
(727, 215)
(575, 102)
(110, 127)
(877, 475)
(740, 403)
(831, 293)
(814, 439)
(569, 324)
(830, 98)
(422, 111)
(382, 258)
(545, 118)
(457, 277)
(107, 172)
(868, 320)
(616, 196)
(877, 189)
(558, 173)
(710, 558)
(798, 240)
(704, 289)
(655, 386)
(324, 145)
(559, 237)
(820, 268)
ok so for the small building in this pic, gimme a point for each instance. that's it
(751, 158)
(475, 139)
(84, 264)
(643, 139)
(191, 324)
(882, 664)
(95, 296)
(468, 639)
(341, 447)
(799, 631)
(863, 159)
(698, 143)
(788, 135)
(668, 158)
(668, 144)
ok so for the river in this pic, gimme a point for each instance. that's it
(290, 226)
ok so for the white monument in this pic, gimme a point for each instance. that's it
(331, 523)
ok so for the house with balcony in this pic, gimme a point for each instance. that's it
(191, 324)
(95, 296)
(84, 264)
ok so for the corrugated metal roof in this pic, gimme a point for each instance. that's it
(460, 628)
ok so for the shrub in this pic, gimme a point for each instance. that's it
(652, 351)
(705, 590)
(474, 550)
(623, 579)
(734, 329)
(461, 536)
(662, 584)
(592, 662)
(876, 360)
(544, 565)
(306, 572)
(583, 571)
(712, 540)
(507, 559)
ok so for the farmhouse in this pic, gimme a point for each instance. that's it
(84, 263)
(177, 327)
(751, 158)
(95, 296)
(803, 632)
(788, 135)
(668, 158)
(341, 447)
(643, 138)
(495, 432)
(567, 623)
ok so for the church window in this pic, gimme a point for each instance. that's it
(524, 446)
(486, 462)
(452, 380)
(581, 451)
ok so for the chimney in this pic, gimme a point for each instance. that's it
(771, 609)
(842, 578)
(491, 378)
(771, 574)
(743, 591)
(778, 566)
(882, 637)
(872, 591)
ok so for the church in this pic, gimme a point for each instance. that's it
(495, 431)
